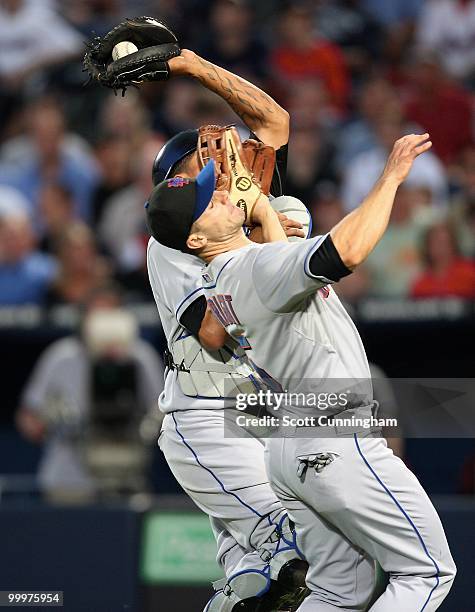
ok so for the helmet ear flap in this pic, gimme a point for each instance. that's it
(172, 152)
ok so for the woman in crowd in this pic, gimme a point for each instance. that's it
(446, 273)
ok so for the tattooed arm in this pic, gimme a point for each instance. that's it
(261, 114)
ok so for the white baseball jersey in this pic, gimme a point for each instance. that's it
(224, 476)
(294, 323)
(175, 282)
(175, 278)
(351, 500)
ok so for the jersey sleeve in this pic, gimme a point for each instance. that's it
(282, 276)
(193, 315)
(175, 278)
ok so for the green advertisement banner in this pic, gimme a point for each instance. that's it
(178, 548)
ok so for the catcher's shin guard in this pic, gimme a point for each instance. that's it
(285, 548)
(288, 570)
(288, 591)
(279, 584)
(240, 592)
(252, 591)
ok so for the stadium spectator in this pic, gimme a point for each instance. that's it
(125, 117)
(348, 25)
(114, 157)
(396, 260)
(123, 229)
(398, 18)
(392, 13)
(94, 16)
(302, 54)
(464, 221)
(325, 207)
(309, 105)
(25, 273)
(186, 104)
(462, 206)
(310, 162)
(432, 97)
(361, 173)
(447, 27)
(12, 200)
(358, 134)
(232, 43)
(49, 154)
(32, 38)
(57, 213)
(22, 146)
(176, 111)
(81, 268)
(446, 273)
(209, 109)
(58, 400)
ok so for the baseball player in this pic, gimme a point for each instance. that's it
(351, 499)
(225, 478)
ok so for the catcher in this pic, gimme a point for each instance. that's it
(225, 476)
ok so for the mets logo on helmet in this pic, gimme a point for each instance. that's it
(178, 181)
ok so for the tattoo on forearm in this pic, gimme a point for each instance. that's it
(248, 102)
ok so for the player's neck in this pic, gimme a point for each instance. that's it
(213, 249)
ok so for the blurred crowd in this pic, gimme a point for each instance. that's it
(355, 75)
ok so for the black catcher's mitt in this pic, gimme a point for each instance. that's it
(156, 44)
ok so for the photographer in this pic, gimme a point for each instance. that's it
(90, 393)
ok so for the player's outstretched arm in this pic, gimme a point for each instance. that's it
(261, 114)
(356, 235)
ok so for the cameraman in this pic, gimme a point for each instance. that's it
(58, 404)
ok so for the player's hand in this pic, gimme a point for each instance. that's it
(404, 152)
(183, 63)
(290, 227)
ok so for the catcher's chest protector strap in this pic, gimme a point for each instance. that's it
(222, 373)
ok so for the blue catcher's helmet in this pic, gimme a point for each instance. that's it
(172, 152)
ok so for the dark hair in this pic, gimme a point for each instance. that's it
(182, 165)
(425, 250)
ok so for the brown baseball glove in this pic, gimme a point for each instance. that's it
(243, 169)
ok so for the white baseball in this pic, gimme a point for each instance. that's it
(122, 49)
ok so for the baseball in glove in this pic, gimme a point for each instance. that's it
(243, 169)
(155, 43)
